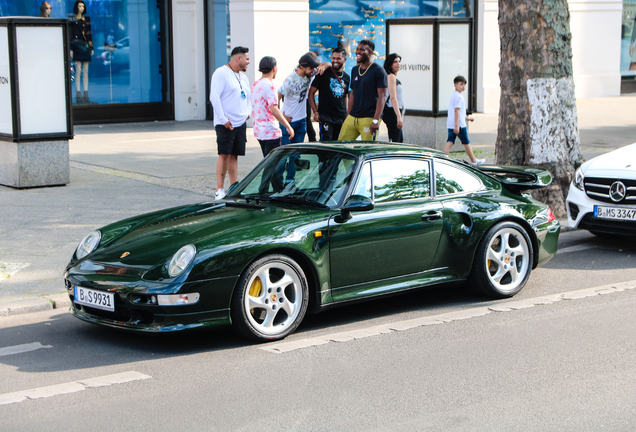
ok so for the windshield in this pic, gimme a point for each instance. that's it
(305, 176)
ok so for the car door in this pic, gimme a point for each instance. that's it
(397, 240)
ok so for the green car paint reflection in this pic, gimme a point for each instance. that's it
(315, 226)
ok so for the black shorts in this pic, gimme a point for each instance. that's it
(231, 142)
(269, 145)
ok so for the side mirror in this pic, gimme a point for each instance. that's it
(356, 203)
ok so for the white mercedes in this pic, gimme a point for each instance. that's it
(602, 197)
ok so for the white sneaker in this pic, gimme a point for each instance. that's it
(219, 194)
(479, 162)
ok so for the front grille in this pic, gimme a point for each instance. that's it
(588, 222)
(598, 188)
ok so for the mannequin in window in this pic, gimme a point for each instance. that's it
(81, 49)
(45, 10)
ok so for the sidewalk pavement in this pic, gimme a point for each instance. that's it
(121, 170)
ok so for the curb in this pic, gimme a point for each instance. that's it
(36, 304)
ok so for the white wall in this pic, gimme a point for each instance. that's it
(271, 28)
(189, 59)
(274, 28)
(596, 47)
(488, 55)
(596, 42)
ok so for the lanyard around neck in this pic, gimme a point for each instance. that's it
(237, 76)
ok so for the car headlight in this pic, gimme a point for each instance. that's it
(181, 260)
(578, 179)
(88, 244)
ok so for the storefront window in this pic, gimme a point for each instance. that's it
(628, 41)
(125, 64)
(351, 21)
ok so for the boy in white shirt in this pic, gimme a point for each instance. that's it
(456, 122)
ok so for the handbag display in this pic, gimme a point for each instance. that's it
(80, 47)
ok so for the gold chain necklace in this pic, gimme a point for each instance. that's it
(367, 70)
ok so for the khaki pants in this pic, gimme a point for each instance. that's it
(353, 127)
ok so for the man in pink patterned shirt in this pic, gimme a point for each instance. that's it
(265, 110)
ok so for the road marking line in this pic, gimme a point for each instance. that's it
(283, 347)
(8, 269)
(19, 349)
(576, 248)
(71, 387)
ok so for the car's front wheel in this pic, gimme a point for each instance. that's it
(270, 299)
(503, 261)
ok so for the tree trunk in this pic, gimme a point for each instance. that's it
(538, 123)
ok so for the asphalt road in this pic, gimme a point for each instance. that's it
(568, 365)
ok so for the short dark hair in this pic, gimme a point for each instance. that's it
(340, 50)
(267, 64)
(76, 9)
(239, 50)
(388, 63)
(459, 79)
(368, 43)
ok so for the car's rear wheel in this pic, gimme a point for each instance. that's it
(270, 299)
(503, 261)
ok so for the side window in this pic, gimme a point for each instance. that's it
(400, 179)
(450, 180)
(364, 182)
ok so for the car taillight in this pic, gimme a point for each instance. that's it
(550, 215)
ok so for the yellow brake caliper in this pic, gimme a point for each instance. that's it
(256, 289)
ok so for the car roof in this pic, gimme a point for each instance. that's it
(368, 149)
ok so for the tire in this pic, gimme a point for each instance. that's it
(270, 299)
(504, 244)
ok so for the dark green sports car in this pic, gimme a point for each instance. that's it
(311, 227)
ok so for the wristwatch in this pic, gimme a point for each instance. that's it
(375, 121)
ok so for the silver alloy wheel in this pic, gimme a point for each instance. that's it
(507, 259)
(273, 298)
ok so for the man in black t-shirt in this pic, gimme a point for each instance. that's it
(333, 88)
(369, 84)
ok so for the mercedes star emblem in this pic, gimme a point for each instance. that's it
(617, 191)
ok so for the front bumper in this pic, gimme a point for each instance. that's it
(580, 209)
(212, 309)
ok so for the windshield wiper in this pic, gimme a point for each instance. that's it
(296, 199)
(247, 204)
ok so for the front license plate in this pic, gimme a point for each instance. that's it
(97, 299)
(616, 213)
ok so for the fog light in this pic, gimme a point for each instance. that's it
(177, 299)
(574, 210)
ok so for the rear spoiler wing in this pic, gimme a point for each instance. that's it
(518, 178)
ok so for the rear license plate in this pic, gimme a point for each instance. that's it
(616, 213)
(97, 299)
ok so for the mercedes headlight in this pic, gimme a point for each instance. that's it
(88, 244)
(181, 260)
(578, 179)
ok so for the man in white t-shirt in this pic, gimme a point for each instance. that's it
(230, 98)
(456, 122)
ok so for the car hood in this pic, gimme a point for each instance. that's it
(151, 239)
(620, 163)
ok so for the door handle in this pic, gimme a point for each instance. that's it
(432, 216)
